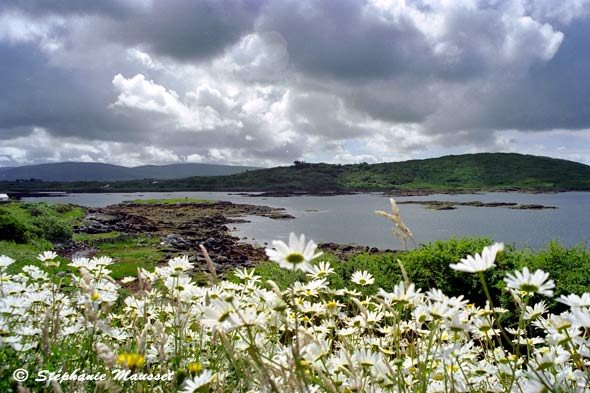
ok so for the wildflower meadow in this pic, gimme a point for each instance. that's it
(160, 331)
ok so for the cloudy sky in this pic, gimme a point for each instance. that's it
(267, 82)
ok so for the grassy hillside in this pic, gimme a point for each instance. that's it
(483, 171)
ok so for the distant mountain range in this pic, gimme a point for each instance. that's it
(90, 171)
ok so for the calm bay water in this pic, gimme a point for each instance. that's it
(351, 218)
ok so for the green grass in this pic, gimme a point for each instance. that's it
(90, 237)
(24, 211)
(171, 201)
(130, 254)
(23, 254)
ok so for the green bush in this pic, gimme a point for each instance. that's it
(38, 209)
(427, 267)
(53, 228)
(12, 229)
(569, 267)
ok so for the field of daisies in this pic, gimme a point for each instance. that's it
(81, 332)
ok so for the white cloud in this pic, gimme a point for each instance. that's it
(257, 57)
(194, 158)
(563, 11)
(144, 59)
(146, 95)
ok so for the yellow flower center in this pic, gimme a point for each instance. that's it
(295, 258)
(526, 287)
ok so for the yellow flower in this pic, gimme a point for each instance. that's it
(195, 367)
(131, 360)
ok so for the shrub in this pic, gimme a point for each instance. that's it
(53, 228)
(12, 229)
(428, 267)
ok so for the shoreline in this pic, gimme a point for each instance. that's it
(18, 195)
(181, 227)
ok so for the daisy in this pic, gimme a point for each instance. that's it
(362, 278)
(400, 294)
(574, 300)
(246, 275)
(296, 255)
(180, 264)
(192, 385)
(85, 263)
(103, 261)
(5, 261)
(536, 311)
(46, 256)
(531, 283)
(479, 263)
(320, 270)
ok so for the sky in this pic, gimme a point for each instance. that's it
(268, 82)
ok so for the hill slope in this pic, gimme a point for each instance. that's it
(483, 171)
(90, 171)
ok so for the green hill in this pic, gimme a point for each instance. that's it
(482, 171)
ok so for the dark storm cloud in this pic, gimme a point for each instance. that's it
(65, 102)
(186, 29)
(338, 39)
(181, 29)
(553, 95)
(68, 7)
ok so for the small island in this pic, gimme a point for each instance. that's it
(450, 205)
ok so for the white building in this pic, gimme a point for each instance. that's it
(4, 198)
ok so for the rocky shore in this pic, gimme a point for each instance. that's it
(180, 228)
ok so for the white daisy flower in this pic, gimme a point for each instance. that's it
(362, 278)
(574, 300)
(320, 270)
(193, 384)
(103, 261)
(530, 283)
(535, 311)
(180, 264)
(85, 263)
(46, 256)
(5, 261)
(479, 263)
(296, 255)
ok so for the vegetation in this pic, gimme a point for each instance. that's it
(131, 254)
(28, 229)
(333, 331)
(22, 223)
(408, 321)
(483, 171)
(428, 267)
